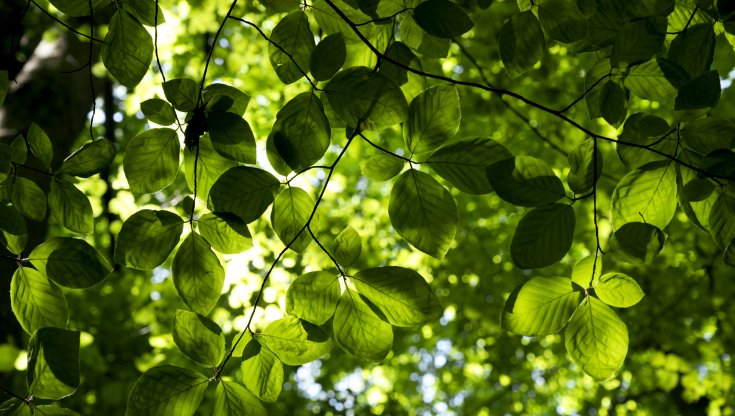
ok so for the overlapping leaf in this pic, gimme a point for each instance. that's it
(147, 238)
(70, 262)
(541, 306)
(313, 296)
(197, 274)
(167, 390)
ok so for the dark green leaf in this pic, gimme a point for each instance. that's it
(543, 236)
(541, 306)
(167, 390)
(291, 58)
(147, 12)
(301, 133)
(19, 150)
(147, 238)
(643, 129)
(596, 339)
(382, 166)
(295, 342)
(280, 5)
(210, 166)
(719, 163)
(226, 233)
(158, 111)
(76, 8)
(36, 302)
(359, 331)
(423, 213)
(29, 198)
(562, 20)
(53, 363)
(182, 93)
(415, 37)
(347, 247)
(214, 94)
(232, 137)
(13, 230)
(89, 159)
(639, 241)
(433, 119)
(463, 163)
(313, 296)
(722, 220)
(521, 43)
(245, 192)
(525, 181)
(4, 84)
(262, 371)
(366, 98)
(701, 93)
(442, 18)
(646, 194)
(402, 295)
(613, 103)
(694, 49)
(198, 338)
(291, 211)
(638, 41)
(231, 398)
(70, 207)
(151, 160)
(197, 274)
(587, 271)
(328, 57)
(330, 22)
(127, 50)
(40, 145)
(648, 81)
(729, 254)
(708, 134)
(70, 262)
(584, 171)
(618, 290)
(399, 52)
(697, 189)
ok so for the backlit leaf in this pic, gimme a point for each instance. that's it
(347, 247)
(433, 119)
(226, 233)
(463, 163)
(147, 238)
(646, 194)
(182, 93)
(639, 241)
(151, 160)
(543, 236)
(215, 95)
(442, 18)
(70, 207)
(231, 398)
(295, 342)
(694, 49)
(313, 296)
(262, 371)
(53, 363)
(40, 145)
(70, 262)
(541, 306)
(584, 170)
(158, 111)
(521, 43)
(13, 229)
(587, 271)
(359, 331)
(244, 191)
(89, 159)
(294, 37)
(291, 211)
(328, 57)
(36, 302)
(197, 274)
(127, 50)
(638, 41)
(210, 165)
(167, 390)
(29, 199)
(232, 137)
(562, 20)
(525, 181)
(198, 338)
(618, 290)
(382, 166)
(301, 133)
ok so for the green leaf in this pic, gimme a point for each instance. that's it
(226, 233)
(330, 22)
(275, 159)
(50, 410)
(543, 236)
(313, 296)
(382, 166)
(127, 50)
(77, 8)
(541, 306)
(719, 163)
(697, 189)
(19, 150)
(399, 52)
(600, 69)
(294, 37)
(291, 211)
(366, 99)
(442, 18)
(145, 11)
(587, 271)
(618, 290)
(359, 331)
(167, 390)
(216, 94)
(151, 160)
(644, 130)
(197, 274)
(244, 191)
(328, 57)
(210, 166)
(521, 43)
(648, 81)
(36, 302)
(89, 159)
(40, 145)
(53, 363)
(232, 137)
(280, 6)
(638, 41)
(639, 241)
(583, 173)
(525, 181)
(295, 342)
(301, 132)
(722, 220)
(613, 103)
(562, 20)
(182, 93)
(347, 247)
(13, 230)
(70, 262)
(231, 398)
(70, 207)
(423, 213)
(729, 254)
(262, 371)
(29, 198)
(694, 49)
(708, 134)
(158, 111)
(198, 338)
(15, 407)
(701, 93)
(147, 238)
(433, 119)
(596, 339)
(402, 295)
(646, 194)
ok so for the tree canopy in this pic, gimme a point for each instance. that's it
(367, 206)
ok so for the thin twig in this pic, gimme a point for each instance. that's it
(56, 19)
